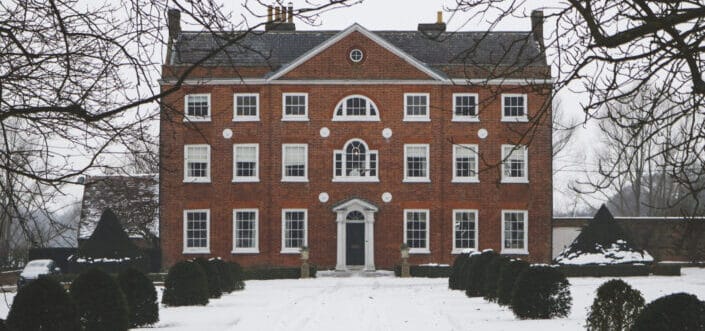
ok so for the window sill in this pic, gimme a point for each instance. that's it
(246, 251)
(197, 181)
(246, 119)
(294, 180)
(246, 180)
(466, 119)
(419, 251)
(514, 181)
(295, 119)
(465, 181)
(196, 251)
(514, 119)
(416, 119)
(290, 251)
(414, 180)
(514, 252)
(197, 119)
(355, 180)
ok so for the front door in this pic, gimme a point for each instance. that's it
(355, 242)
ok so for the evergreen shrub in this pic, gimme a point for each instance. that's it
(100, 302)
(455, 271)
(492, 277)
(141, 297)
(541, 292)
(185, 285)
(239, 275)
(674, 312)
(476, 280)
(508, 275)
(616, 307)
(212, 277)
(43, 305)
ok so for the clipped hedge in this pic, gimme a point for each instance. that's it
(225, 273)
(43, 305)
(185, 285)
(212, 276)
(456, 271)
(270, 272)
(666, 269)
(427, 271)
(609, 270)
(141, 297)
(616, 307)
(541, 292)
(476, 278)
(100, 301)
(492, 274)
(508, 275)
(674, 312)
(238, 275)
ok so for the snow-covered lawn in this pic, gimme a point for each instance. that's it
(387, 304)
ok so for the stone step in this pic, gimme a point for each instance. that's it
(355, 273)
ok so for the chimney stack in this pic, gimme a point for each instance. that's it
(173, 22)
(433, 29)
(283, 19)
(537, 27)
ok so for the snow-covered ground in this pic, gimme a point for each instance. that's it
(387, 304)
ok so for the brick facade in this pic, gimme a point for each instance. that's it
(270, 195)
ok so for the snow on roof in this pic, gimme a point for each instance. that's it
(133, 198)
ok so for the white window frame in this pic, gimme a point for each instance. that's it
(349, 179)
(355, 118)
(474, 179)
(418, 118)
(245, 179)
(245, 118)
(295, 118)
(505, 158)
(246, 250)
(459, 250)
(463, 118)
(293, 250)
(524, 118)
(525, 250)
(286, 178)
(190, 179)
(196, 250)
(426, 179)
(427, 249)
(191, 118)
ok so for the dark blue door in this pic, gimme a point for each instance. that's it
(355, 239)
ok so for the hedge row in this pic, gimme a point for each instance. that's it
(620, 270)
(425, 271)
(271, 272)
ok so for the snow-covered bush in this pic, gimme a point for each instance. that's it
(456, 270)
(616, 307)
(492, 277)
(508, 275)
(476, 279)
(141, 297)
(212, 277)
(43, 305)
(185, 285)
(100, 302)
(239, 275)
(225, 273)
(541, 292)
(678, 311)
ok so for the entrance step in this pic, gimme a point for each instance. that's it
(355, 273)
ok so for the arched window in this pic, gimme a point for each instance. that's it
(355, 162)
(356, 108)
(355, 216)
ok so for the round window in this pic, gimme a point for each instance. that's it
(356, 55)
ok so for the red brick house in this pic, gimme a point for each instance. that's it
(352, 142)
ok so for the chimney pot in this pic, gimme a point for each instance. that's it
(269, 14)
(277, 15)
(439, 17)
(291, 13)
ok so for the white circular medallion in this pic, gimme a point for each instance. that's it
(482, 133)
(227, 133)
(325, 132)
(386, 197)
(323, 197)
(387, 133)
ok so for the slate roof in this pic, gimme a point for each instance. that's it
(276, 48)
(134, 199)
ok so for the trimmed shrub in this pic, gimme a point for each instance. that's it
(541, 292)
(239, 275)
(225, 273)
(212, 277)
(43, 305)
(616, 307)
(492, 277)
(141, 297)
(426, 271)
(476, 280)
(455, 271)
(678, 311)
(272, 272)
(100, 302)
(185, 285)
(508, 275)
(466, 271)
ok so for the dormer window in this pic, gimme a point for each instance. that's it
(356, 108)
(355, 163)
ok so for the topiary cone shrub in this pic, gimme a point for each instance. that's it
(43, 305)
(141, 297)
(225, 273)
(541, 292)
(508, 275)
(616, 307)
(456, 270)
(185, 285)
(476, 280)
(212, 277)
(238, 275)
(466, 271)
(100, 301)
(678, 311)
(492, 277)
